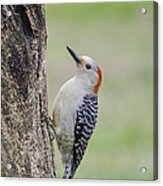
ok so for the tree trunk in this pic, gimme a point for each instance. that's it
(26, 149)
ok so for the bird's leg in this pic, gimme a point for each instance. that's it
(51, 128)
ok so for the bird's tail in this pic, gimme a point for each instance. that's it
(68, 174)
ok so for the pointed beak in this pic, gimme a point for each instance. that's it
(74, 55)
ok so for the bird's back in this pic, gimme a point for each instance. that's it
(84, 127)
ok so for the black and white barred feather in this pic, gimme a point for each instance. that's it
(85, 124)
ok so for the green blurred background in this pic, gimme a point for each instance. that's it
(120, 38)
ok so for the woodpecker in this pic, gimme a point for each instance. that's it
(75, 112)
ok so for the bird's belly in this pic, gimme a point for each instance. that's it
(65, 124)
(66, 113)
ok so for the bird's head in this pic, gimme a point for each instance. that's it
(88, 71)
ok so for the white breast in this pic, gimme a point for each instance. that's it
(66, 104)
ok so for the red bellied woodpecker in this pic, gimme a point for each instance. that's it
(75, 112)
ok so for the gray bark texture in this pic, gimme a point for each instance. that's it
(26, 147)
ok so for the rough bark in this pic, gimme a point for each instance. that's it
(26, 148)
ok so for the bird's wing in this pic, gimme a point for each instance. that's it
(85, 124)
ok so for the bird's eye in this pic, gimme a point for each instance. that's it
(88, 66)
